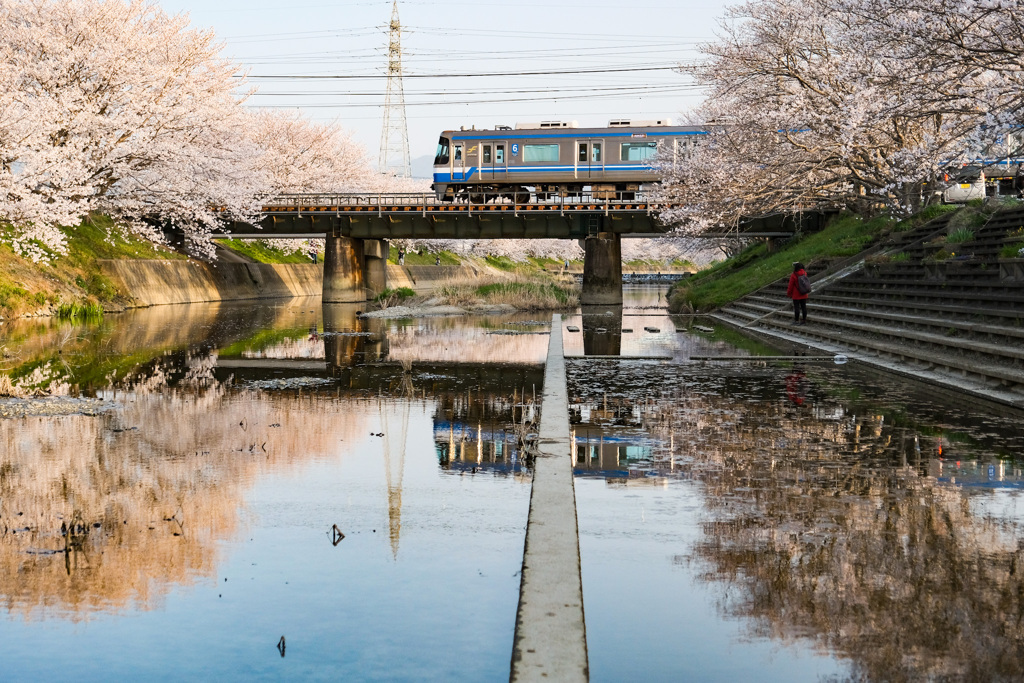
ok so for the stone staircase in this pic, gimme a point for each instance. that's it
(958, 322)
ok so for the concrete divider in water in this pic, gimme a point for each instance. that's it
(551, 637)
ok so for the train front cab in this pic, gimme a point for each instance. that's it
(461, 163)
(444, 168)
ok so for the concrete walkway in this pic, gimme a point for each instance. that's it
(551, 637)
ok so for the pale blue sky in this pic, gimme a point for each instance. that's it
(444, 41)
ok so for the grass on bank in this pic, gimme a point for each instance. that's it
(754, 268)
(523, 294)
(74, 278)
(260, 252)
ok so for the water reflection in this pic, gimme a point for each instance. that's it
(830, 510)
(821, 509)
(486, 433)
(110, 512)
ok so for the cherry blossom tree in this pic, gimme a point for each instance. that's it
(114, 106)
(299, 156)
(861, 104)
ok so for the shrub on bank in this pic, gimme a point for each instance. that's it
(393, 297)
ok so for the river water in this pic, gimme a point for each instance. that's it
(284, 490)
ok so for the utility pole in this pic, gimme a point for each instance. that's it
(394, 134)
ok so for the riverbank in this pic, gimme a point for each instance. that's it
(936, 300)
(106, 270)
(73, 282)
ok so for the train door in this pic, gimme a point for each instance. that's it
(494, 161)
(458, 162)
(589, 158)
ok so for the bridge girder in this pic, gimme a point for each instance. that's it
(496, 225)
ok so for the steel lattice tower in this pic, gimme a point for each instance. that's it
(394, 134)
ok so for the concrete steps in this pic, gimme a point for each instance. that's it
(965, 329)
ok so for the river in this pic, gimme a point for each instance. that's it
(284, 490)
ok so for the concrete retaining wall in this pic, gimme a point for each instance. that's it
(155, 282)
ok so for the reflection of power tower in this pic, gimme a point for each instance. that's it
(394, 134)
(394, 468)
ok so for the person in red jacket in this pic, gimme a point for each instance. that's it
(799, 297)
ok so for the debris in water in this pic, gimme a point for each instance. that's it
(280, 646)
(336, 535)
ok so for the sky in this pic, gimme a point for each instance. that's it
(465, 63)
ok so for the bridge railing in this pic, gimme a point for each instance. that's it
(429, 201)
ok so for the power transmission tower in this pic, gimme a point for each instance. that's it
(394, 134)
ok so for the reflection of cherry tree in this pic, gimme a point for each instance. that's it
(821, 529)
(103, 513)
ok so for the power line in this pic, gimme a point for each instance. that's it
(624, 89)
(449, 103)
(560, 72)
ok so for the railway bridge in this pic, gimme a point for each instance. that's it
(357, 228)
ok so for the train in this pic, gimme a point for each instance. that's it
(536, 162)
(550, 160)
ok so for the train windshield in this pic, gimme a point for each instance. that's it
(443, 152)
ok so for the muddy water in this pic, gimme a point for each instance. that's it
(209, 479)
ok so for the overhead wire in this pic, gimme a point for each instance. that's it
(504, 100)
(493, 74)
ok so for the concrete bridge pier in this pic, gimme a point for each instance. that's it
(354, 269)
(602, 270)
(375, 266)
(344, 279)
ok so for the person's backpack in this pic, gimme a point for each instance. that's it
(803, 284)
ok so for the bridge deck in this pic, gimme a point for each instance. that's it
(421, 215)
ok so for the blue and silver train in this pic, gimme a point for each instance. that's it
(552, 159)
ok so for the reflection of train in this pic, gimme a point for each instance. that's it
(555, 159)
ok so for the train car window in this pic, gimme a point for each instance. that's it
(458, 152)
(487, 154)
(639, 151)
(540, 152)
(595, 152)
(583, 152)
(442, 152)
(499, 154)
